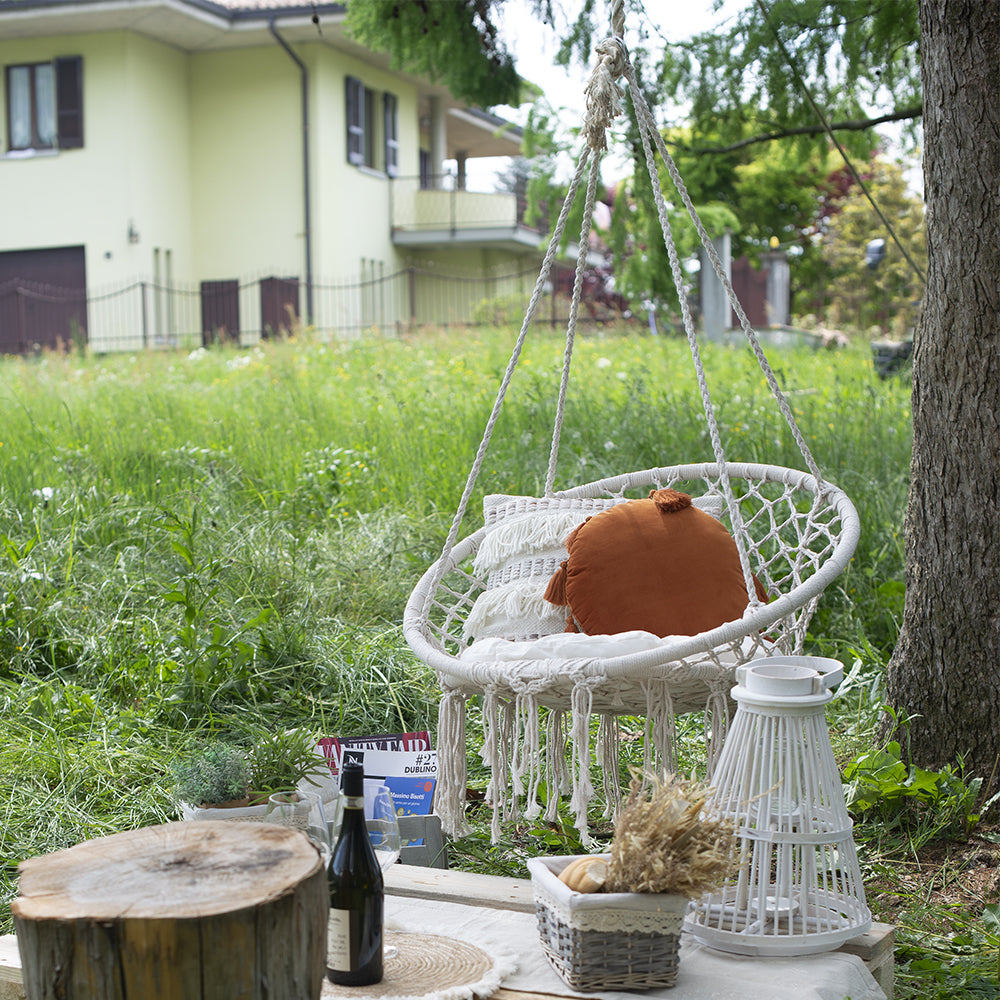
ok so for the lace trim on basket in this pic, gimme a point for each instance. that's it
(609, 920)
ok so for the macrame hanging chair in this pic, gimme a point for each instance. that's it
(794, 532)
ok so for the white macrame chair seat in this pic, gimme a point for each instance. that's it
(801, 538)
(793, 530)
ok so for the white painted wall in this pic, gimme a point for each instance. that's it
(201, 155)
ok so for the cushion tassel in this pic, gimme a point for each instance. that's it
(555, 592)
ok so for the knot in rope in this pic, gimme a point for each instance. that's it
(604, 95)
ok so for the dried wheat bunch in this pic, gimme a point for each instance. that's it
(664, 841)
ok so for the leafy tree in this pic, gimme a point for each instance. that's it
(943, 672)
(735, 87)
(779, 192)
(455, 41)
(765, 74)
(796, 60)
(882, 294)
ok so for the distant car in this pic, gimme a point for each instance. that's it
(891, 356)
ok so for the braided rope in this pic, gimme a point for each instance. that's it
(603, 104)
(643, 113)
(470, 483)
(574, 311)
(646, 127)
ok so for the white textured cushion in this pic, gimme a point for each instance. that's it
(524, 544)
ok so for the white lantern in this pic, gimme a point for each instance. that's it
(798, 890)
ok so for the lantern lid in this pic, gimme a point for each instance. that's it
(804, 680)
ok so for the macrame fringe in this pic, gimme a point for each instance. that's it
(581, 703)
(660, 731)
(525, 536)
(519, 760)
(608, 757)
(452, 769)
(558, 780)
(525, 770)
(716, 724)
(521, 601)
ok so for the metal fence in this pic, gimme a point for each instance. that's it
(148, 315)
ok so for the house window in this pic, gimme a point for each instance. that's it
(390, 108)
(45, 105)
(360, 124)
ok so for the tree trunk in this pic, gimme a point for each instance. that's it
(184, 911)
(943, 674)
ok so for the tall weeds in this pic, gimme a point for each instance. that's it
(190, 543)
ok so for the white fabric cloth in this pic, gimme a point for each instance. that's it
(704, 974)
(575, 645)
(563, 646)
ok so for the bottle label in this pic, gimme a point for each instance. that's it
(354, 802)
(338, 941)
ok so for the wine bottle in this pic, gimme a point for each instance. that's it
(354, 937)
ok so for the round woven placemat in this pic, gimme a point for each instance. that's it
(427, 966)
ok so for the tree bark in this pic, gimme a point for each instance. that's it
(943, 675)
(184, 911)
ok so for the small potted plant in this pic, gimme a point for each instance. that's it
(208, 779)
(216, 776)
(283, 761)
(613, 921)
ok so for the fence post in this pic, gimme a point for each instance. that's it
(22, 320)
(553, 276)
(145, 317)
(412, 272)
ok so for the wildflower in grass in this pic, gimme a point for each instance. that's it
(45, 494)
(603, 362)
(609, 446)
(197, 354)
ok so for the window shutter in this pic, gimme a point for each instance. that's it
(391, 106)
(69, 102)
(369, 127)
(355, 121)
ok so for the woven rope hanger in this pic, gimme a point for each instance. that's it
(514, 692)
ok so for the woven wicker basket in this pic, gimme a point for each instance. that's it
(606, 941)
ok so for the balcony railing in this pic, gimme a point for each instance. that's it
(421, 212)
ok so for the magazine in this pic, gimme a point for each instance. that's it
(404, 762)
(334, 746)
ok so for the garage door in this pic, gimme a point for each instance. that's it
(43, 299)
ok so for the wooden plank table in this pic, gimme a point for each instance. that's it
(490, 891)
(874, 948)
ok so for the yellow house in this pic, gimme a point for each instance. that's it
(181, 170)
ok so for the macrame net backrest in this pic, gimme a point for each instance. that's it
(792, 529)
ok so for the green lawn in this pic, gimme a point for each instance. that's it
(221, 542)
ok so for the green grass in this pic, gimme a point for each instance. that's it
(194, 544)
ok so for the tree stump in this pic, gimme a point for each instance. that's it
(183, 911)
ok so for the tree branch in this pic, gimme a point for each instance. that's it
(848, 126)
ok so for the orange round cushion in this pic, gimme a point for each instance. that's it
(657, 565)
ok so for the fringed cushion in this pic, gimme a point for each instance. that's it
(524, 544)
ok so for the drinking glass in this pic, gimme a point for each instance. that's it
(383, 827)
(383, 832)
(302, 811)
